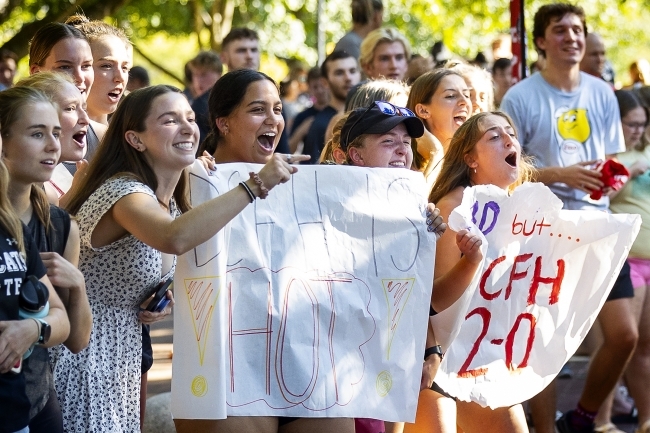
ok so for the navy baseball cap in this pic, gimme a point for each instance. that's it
(379, 118)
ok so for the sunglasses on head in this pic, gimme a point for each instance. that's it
(386, 108)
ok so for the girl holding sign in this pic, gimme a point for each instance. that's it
(246, 120)
(484, 150)
(128, 206)
(380, 136)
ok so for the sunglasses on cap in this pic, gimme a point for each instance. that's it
(386, 108)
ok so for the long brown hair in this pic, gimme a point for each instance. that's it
(115, 156)
(46, 37)
(455, 172)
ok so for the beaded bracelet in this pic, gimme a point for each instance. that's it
(248, 191)
(264, 192)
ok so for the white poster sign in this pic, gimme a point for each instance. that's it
(311, 303)
(546, 276)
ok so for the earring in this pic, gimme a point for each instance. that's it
(474, 171)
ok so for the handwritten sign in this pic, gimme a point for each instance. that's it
(311, 303)
(546, 275)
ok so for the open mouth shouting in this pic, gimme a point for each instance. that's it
(266, 141)
(460, 118)
(79, 139)
(511, 159)
(115, 94)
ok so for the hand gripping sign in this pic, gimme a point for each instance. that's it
(311, 303)
(546, 276)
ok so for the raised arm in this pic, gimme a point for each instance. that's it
(142, 216)
(453, 273)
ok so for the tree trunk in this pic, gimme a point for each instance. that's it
(222, 14)
(198, 8)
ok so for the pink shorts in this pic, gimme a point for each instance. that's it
(639, 272)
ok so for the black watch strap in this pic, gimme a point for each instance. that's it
(433, 350)
(44, 336)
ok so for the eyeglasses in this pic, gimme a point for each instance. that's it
(635, 125)
(386, 108)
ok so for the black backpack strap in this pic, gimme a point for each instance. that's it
(57, 237)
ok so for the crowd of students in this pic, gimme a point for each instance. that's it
(94, 199)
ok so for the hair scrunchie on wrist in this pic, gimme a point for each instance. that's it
(264, 191)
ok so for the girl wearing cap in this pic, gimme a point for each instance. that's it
(361, 95)
(484, 150)
(381, 136)
(246, 121)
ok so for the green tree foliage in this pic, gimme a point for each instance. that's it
(288, 28)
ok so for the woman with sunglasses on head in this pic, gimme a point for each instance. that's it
(58, 47)
(483, 151)
(441, 99)
(28, 121)
(362, 95)
(381, 136)
(56, 236)
(129, 207)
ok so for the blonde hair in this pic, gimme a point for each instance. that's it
(327, 154)
(380, 36)
(47, 82)
(455, 172)
(96, 29)
(381, 89)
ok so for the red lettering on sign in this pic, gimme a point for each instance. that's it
(510, 341)
(485, 315)
(521, 228)
(489, 296)
(514, 275)
(538, 279)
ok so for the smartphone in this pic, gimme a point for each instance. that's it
(160, 300)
